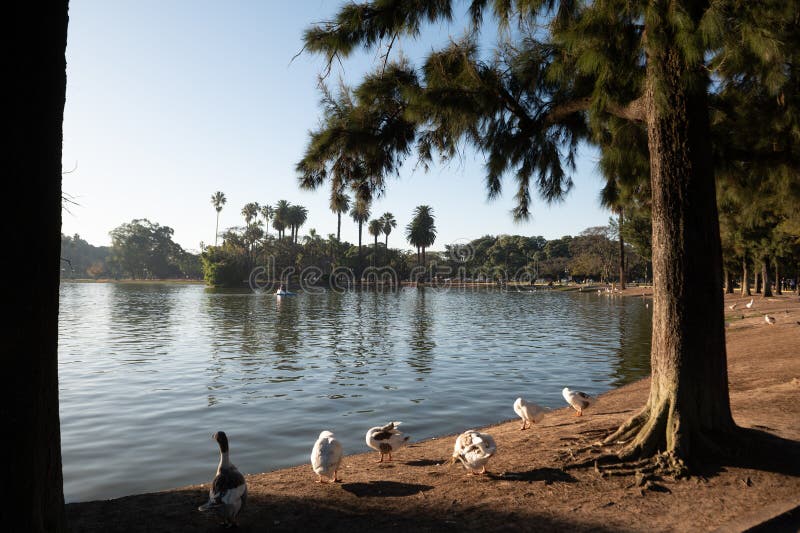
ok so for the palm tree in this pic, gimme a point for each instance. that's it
(279, 217)
(360, 214)
(217, 200)
(421, 231)
(375, 228)
(250, 211)
(296, 217)
(340, 203)
(267, 213)
(389, 223)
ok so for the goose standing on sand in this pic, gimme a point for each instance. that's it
(530, 413)
(228, 492)
(326, 456)
(578, 400)
(386, 439)
(474, 449)
(732, 307)
(749, 304)
(769, 320)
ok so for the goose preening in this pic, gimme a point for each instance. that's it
(530, 413)
(386, 439)
(749, 304)
(474, 449)
(733, 306)
(769, 320)
(228, 492)
(578, 400)
(326, 456)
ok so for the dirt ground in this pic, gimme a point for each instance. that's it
(528, 487)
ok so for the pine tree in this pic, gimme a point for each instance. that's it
(582, 70)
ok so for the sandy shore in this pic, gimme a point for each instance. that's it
(528, 487)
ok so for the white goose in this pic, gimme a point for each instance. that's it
(326, 456)
(386, 439)
(769, 320)
(578, 400)
(228, 492)
(474, 449)
(749, 304)
(530, 413)
(733, 306)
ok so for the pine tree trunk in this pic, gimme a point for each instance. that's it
(688, 404)
(728, 282)
(745, 277)
(36, 89)
(757, 276)
(778, 288)
(765, 277)
(621, 254)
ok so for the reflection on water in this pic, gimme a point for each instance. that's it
(149, 372)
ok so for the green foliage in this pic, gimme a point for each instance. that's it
(145, 250)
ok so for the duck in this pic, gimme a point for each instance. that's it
(732, 307)
(530, 413)
(228, 492)
(386, 439)
(578, 400)
(769, 320)
(749, 304)
(474, 449)
(326, 456)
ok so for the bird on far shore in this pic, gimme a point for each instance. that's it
(326, 456)
(228, 492)
(386, 439)
(474, 449)
(529, 412)
(769, 320)
(749, 304)
(578, 400)
(733, 306)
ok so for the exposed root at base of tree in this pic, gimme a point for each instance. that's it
(640, 447)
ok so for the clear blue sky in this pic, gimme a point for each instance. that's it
(168, 102)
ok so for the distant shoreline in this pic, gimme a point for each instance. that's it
(136, 281)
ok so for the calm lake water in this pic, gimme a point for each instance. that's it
(148, 372)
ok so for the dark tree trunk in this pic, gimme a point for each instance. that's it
(778, 288)
(728, 282)
(765, 277)
(757, 276)
(621, 253)
(688, 407)
(745, 277)
(339, 227)
(360, 256)
(36, 85)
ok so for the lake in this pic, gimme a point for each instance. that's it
(147, 372)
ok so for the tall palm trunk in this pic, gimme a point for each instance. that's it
(34, 112)
(375, 254)
(745, 277)
(765, 277)
(216, 229)
(688, 406)
(339, 226)
(360, 256)
(621, 253)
